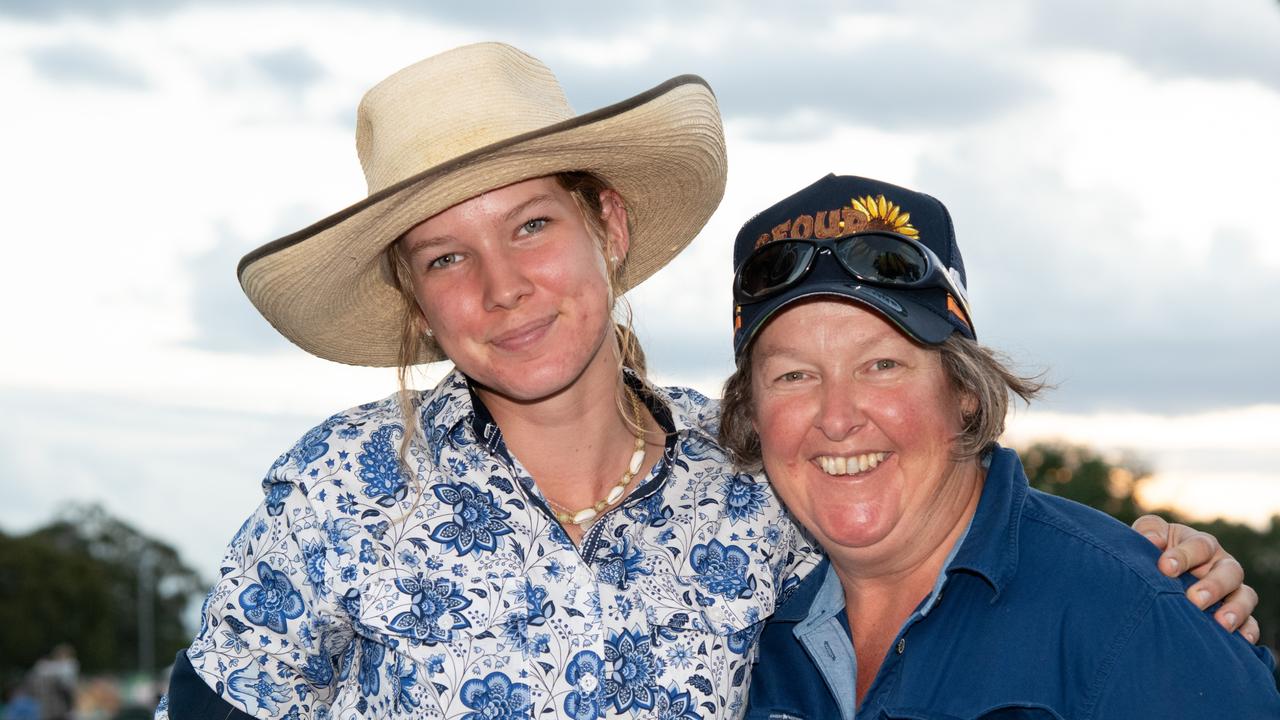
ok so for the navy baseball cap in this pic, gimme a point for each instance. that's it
(839, 206)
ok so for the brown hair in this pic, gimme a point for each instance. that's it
(975, 372)
(585, 189)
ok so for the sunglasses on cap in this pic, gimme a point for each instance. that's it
(875, 258)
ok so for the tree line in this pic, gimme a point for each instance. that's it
(99, 585)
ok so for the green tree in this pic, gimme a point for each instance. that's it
(1087, 477)
(81, 580)
(1083, 475)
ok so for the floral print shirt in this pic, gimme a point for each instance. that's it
(359, 590)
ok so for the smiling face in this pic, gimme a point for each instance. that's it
(856, 425)
(516, 289)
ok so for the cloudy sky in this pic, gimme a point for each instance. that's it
(1112, 167)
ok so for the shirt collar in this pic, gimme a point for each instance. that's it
(455, 405)
(682, 411)
(449, 405)
(827, 601)
(802, 603)
(990, 550)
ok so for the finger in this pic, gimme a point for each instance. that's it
(1250, 630)
(1236, 608)
(1154, 528)
(1224, 580)
(1189, 550)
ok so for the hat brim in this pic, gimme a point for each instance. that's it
(328, 289)
(913, 319)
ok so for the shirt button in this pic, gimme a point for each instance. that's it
(902, 645)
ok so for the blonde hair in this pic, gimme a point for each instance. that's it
(585, 189)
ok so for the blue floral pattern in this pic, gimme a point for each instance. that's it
(434, 609)
(380, 468)
(722, 569)
(673, 704)
(273, 602)
(256, 689)
(496, 698)
(634, 669)
(477, 519)
(744, 497)
(439, 587)
(585, 673)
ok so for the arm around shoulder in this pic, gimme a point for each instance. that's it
(1176, 662)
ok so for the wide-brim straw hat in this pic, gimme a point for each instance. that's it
(455, 126)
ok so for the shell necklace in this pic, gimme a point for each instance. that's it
(587, 515)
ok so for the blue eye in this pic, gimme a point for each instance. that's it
(533, 226)
(444, 261)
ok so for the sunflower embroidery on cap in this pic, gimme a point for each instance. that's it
(882, 214)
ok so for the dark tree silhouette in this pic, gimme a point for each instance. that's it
(77, 581)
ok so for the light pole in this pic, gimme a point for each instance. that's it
(146, 613)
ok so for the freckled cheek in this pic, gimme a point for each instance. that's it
(586, 286)
(462, 312)
(785, 477)
(905, 419)
(770, 423)
(781, 430)
(889, 407)
(575, 265)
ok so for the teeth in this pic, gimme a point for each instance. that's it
(851, 465)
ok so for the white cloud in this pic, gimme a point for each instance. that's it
(116, 190)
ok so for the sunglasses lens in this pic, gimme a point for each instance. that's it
(776, 265)
(883, 259)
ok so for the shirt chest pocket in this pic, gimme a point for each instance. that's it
(504, 615)
(498, 634)
(707, 638)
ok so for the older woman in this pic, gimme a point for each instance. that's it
(952, 589)
(543, 534)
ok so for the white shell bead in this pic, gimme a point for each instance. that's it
(636, 458)
(584, 515)
(615, 493)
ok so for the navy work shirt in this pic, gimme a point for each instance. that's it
(1048, 609)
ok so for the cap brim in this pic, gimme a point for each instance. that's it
(914, 319)
(327, 289)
